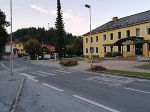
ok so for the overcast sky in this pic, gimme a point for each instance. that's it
(38, 13)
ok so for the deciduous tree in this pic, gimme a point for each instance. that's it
(3, 33)
(33, 48)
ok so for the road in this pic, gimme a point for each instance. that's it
(109, 92)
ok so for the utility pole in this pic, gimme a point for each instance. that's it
(91, 50)
(11, 43)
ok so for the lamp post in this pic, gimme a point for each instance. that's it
(89, 7)
(11, 61)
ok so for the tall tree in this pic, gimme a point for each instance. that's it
(33, 48)
(60, 32)
(3, 33)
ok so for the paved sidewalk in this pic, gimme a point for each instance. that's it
(109, 64)
(114, 65)
(9, 85)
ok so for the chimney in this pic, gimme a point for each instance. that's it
(114, 19)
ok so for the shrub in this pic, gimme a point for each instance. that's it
(68, 63)
(114, 54)
(97, 68)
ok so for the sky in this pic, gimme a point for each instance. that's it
(38, 13)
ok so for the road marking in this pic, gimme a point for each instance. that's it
(137, 90)
(39, 74)
(27, 75)
(62, 71)
(95, 103)
(34, 80)
(4, 66)
(53, 87)
(46, 73)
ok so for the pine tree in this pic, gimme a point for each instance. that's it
(60, 32)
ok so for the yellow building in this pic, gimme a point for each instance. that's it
(19, 47)
(129, 36)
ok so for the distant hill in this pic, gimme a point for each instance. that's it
(42, 35)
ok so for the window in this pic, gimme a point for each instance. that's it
(96, 49)
(86, 50)
(91, 49)
(119, 35)
(91, 39)
(128, 48)
(96, 38)
(149, 47)
(111, 48)
(105, 49)
(111, 36)
(104, 37)
(19, 45)
(128, 33)
(148, 30)
(86, 40)
(137, 32)
(15, 45)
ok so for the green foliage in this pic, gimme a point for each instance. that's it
(40, 34)
(33, 48)
(76, 48)
(60, 32)
(3, 33)
(68, 63)
(114, 54)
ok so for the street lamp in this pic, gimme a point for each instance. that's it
(89, 7)
(11, 61)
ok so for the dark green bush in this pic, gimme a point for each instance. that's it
(114, 54)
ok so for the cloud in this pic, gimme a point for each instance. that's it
(42, 10)
(68, 14)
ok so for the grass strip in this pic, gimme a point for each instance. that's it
(128, 73)
(147, 66)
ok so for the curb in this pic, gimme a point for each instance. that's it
(14, 105)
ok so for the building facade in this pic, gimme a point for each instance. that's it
(129, 36)
(19, 47)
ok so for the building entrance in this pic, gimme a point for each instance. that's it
(139, 49)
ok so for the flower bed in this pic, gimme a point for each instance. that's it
(97, 68)
(68, 63)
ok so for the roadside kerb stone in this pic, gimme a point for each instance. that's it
(14, 106)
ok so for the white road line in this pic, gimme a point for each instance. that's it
(53, 87)
(27, 75)
(137, 90)
(91, 72)
(62, 71)
(46, 73)
(34, 80)
(39, 74)
(4, 66)
(95, 103)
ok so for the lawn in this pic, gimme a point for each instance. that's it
(128, 73)
(147, 66)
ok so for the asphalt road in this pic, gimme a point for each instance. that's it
(110, 92)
